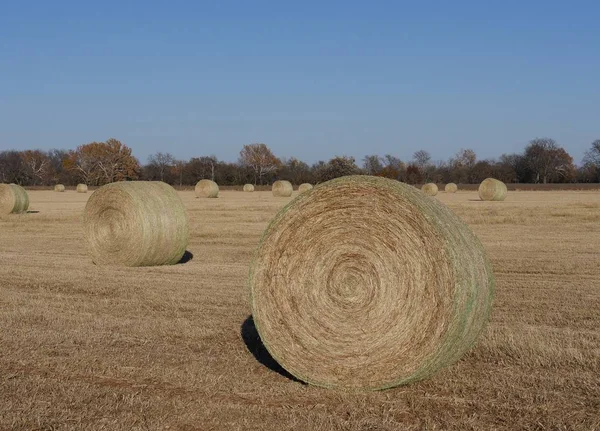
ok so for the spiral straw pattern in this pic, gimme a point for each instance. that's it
(305, 187)
(282, 188)
(491, 189)
(206, 189)
(82, 188)
(450, 188)
(13, 199)
(364, 283)
(248, 188)
(59, 188)
(430, 189)
(140, 223)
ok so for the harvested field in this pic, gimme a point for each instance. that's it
(84, 347)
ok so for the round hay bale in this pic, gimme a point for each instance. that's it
(282, 189)
(492, 189)
(206, 189)
(365, 283)
(430, 189)
(451, 188)
(59, 188)
(140, 223)
(13, 199)
(305, 187)
(82, 188)
(248, 188)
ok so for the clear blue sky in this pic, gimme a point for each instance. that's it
(311, 79)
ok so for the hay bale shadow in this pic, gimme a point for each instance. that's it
(32, 212)
(255, 346)
(187, 256)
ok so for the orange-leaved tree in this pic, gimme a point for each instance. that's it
(99, 163)
(260, 159)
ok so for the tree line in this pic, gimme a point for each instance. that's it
(98, 163)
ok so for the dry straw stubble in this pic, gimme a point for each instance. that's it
(206, 189)
(430, 189)
(305, 187)
(282, 188)
(140, 223)
(492, 189)
(248, 188)
(364, 283)
(13, 199)
(450, 188)
(59, 188)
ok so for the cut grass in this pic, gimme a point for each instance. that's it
(91, 348)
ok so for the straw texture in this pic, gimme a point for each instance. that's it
(13, 199)
(141, 223)
(450, 188)
(282, 188)
(82, 188)
(248, 188)
(364, 283)
(206, 189)
(305, 187)
(59, 188)
(430, 189)
(491, 189)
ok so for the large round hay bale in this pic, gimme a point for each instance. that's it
(248, 188)
(365, 283)
(450, 188)
(59, 188)
(305, 187)
(430, 189)
(82, 188)
(206, 189)
(492, 189)
(282, 188)
(13, 199)
(140, 223)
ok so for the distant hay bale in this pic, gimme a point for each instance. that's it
(248, 188)
(59, 188)
(139, 223)
(492, 189)
(282, 188)
(206, 189)
(451, 188)
(13, 199)
(430, 189)
(82, 188)
(305, 187)
(365, 283)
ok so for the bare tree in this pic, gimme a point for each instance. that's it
(462, 165)
(372, 165)
(37, 165)
(162, 163)
(203, 167)
(422, 160)
(260, 159)
(547, 160)
(592, 156)
(178, 170)
(12, 169)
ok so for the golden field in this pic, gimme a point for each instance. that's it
(84, 347)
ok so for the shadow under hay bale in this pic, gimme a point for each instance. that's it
(255, 346)
(187, 256)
